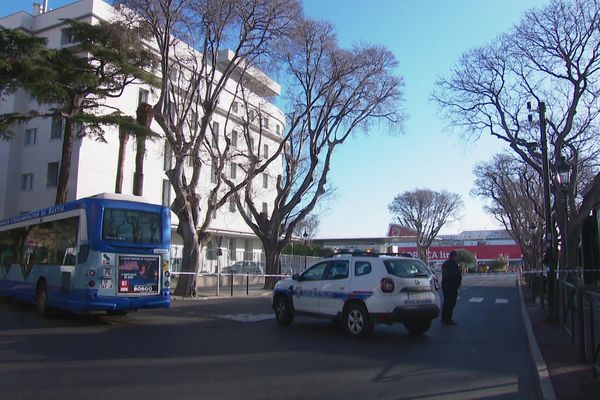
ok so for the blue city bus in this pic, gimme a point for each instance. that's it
(107, 252)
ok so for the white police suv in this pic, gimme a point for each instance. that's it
(361, 289)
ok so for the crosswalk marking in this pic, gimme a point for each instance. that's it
(482, 299)
(247, 317)
(476, 300)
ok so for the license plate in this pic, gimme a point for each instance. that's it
(418, 296)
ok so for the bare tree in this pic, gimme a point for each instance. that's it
(332, 93)
(551, 56)
(426, 211)
(207, 48)
(514, 191)
(309, 226)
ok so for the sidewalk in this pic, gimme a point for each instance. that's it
(570, 377)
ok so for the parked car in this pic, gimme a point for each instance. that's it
(244, 267)
(361, 289)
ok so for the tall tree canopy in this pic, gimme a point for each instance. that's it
(426, 211)
(551, 56)
(514, 191)
(210, 48)
(332, 93)
(73, 82)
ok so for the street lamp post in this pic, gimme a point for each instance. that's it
(563, 174)
(549, 256)
(305, 236)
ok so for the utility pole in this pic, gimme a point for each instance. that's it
(549, 260)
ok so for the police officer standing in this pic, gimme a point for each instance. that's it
(451, 280)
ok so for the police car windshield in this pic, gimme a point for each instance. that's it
(404, 268)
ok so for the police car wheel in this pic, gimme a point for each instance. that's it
(283, 311)
(417, 326)
(357, 321)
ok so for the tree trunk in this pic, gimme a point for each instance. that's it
(65, 162)
(138, 175)
(190, 259)
(272, 263)
(422, 253)
(145, 114)
(123, 139)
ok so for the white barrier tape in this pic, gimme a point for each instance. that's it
(560, 271)
(225, 274)
(538, 271)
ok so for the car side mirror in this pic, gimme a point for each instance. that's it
(296, 277)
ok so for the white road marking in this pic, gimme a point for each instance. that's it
(501, 301)
(247, 317)
(476, 300)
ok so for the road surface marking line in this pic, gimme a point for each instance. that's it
(476, 300)
(501, 301)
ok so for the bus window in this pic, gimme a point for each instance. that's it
(47, 243)
(131, 226)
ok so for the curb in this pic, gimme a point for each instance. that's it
(536, 354)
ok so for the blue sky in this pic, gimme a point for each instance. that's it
(427, 37)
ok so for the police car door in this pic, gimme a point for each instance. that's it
(334, 287)
(306, 290)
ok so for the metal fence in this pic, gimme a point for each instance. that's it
(213, 261)
(568, 308)
(593, 331)
(578, 308)
(222, 273)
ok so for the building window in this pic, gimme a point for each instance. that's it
(250, 116)
(52, 175)
(214, 177)
(265, 181)
(66, 36)
(266, 151)
(232, 206)
(30, 137)
(251, 144)
(166, 193)
(233, 171)
(58, 127)
(26, 182)
(234, 138)
(143, 95)
(234, 107)
(277, 128)
(215, 134)
(266, 122)
(265, 208)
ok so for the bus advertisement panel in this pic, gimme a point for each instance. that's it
(138, 274)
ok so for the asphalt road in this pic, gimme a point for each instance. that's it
(233, 349)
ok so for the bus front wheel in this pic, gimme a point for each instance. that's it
(41, 298)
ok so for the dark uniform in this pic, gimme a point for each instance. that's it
(451, 281)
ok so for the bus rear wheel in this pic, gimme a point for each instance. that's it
(41, 298)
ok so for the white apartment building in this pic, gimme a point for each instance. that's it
(29, 163)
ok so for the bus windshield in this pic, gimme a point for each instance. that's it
(132, 226)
